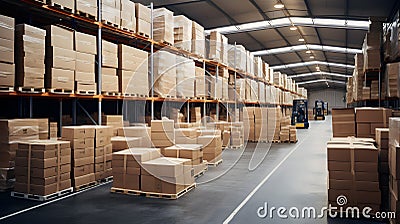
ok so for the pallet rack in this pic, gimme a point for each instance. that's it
(37, 12)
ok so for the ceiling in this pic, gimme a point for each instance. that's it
(219, 13)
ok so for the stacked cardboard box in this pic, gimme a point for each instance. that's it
(349, 90)
(249, 63)
(261, 92)
(109, 78)
(162, 133)
(60, 58)
(132, 70)
(111, 11)
(86, 49)
(224, 50)
(88, 7)
(185, 77)
(29, 56)
(42, 167)
(394, 166)
(183, 33)
(368, 119)
(284, 134)
(185, 136)
(163, 22)
(164, 74)
(82, 156)
(371, 47)
(53, 130)
(226, 138)
(353, 173)
(277, 117)
(212, 147)
(120, 143)
(343, 122)
(237, 57)
(66, 5)
(292, 133)
(127, 14)
(198, 39)
(43, 124)
(214, 47)
(215, 87)
(195, 114)
(393, 79)
(127, 166)
(166, 175)
(115, 121)
(201, 81)
(143, 19)
(382, 142)
(142, 132)
(13, 131)
(7, 66)
(261, 124)
(374, 90)
(194, 152)
(248, 123)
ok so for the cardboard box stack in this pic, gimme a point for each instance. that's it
(163, 25)
(82, 155)
(7, 66)
(382, 142)
(224, 50)
(111, 12)
(366, 93)
(183, 33)
(166, 175)
(353, 173)
(53, 130)
(185, 135)
(393, 79)
(194, 152)
(375, 90)
(358, 77)
(127, 166)
(60, 58)
(43, 124)
(284, 134)
(371, 46)
(164, 74)
(215, 46)
(292, 133)
(66, 5)
(248, 123)
(141, 132)
(343, 122)
(261, 124)
(277, 116)
(115, 121)
(394, 167)
(198, 39)
(109, 78)
(237, 57)
(162, 133)
(201, 83)
(86, 50)
(29, 56)
(195, 114)
(212, 147)
(120, 143)
(127, 14)
(42, 167)
(185, 77)
(368, 119)
(132, 70)
(143, 20)
(215, 87)
(13, 131)
(87, 8)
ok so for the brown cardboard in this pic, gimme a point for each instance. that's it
(83, 153)
(82, 161)
(128, 170)
(42, 190)
(101, 159)
(7, 73)
(59, 37)
(150, 184)
(78, 181)
(366, 167)
(85, 43)
(373, 115)
(127, 181)
(82, 170)
(85, 63)
(60, 58)
(42, 173)
(340, 175)
(7, 27)
(162, 126)
(339, 166)
(366, 176)
(121, 143)
(103, 174)
(340, 184)
(165, 167)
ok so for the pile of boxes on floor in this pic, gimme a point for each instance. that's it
(365, 168)
(264, 124)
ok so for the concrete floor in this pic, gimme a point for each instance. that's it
(287, 175)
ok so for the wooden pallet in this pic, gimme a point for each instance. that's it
(108, 23)
(86, 15)
(235, 147)
(167, 96)
(201, 173)
(184, 97)
(127, 29)
(293, 141)
(30, 90)
(153, 194)
(85, 186)
(143, 34)
(276, 141)
(6, 89)
(111, 93)
(82, 92)
(134, 95)
(40, 197)
(58, 6)
(215, 164)
(41, 1)
(61, 91)
(105, 180)
(200, 98)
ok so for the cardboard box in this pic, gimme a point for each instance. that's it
(42, 190)
(164, 125)
(60, 37)
(6, 50)
(85, 43)
(121, 143)
(77, 132)
(127, 181)
(7, 74)
(59, 79)
(60, 58)
(142, 12)
(7, 29)
(373, 115)
(186, 151)
(165, 167)
(79, 181)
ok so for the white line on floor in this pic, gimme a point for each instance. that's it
(50, 202)
(244, 202)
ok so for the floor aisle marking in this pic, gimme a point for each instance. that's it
(250, 195)
(52, 201)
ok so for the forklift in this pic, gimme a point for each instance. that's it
(299, 113)
(319, 110)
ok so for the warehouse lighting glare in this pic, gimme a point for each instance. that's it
(279, 5)
(321, 80)
(319, 73)
(294, 21)
(311, 63)
(312, 57)
(308, 52)
(301, 39)
(317, 68)
(293, 28)
(308, 47)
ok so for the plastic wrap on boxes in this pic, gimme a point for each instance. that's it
(200, 83)
(225, 87)
(216, 87)
(87, 7)
(133, 59)
(258, 67)
(143, 16)
(249, 63)
(185, 77)
(240, 90)
(163, 25)
(254, 90)
(224, 49)
(110, 14)
(128, 18)
(215, 46)
(109, 54)
(198, 39)
(182, 33)
(66, 4)
(239, 60)
(164, 74)
(261, 92)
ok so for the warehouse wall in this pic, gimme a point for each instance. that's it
(333, 96)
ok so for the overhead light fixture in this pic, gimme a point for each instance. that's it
(308, 52)
(317, 68)
(293, 28)
(312, 57)
(279, 5)
(301, 39)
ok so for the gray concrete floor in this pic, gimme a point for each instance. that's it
(296, 180)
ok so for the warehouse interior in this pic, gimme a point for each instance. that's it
(202, 111)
